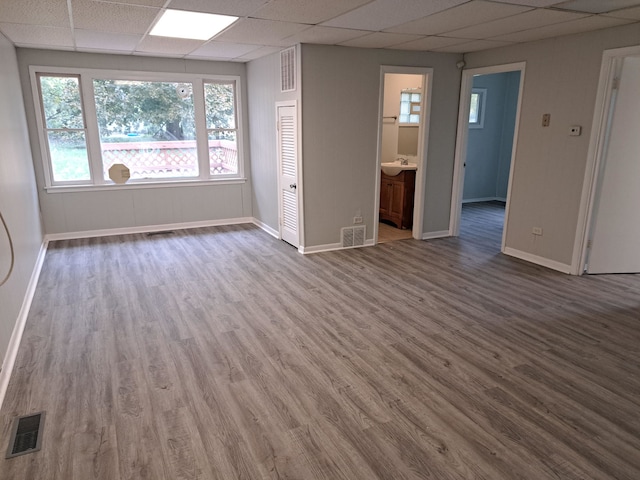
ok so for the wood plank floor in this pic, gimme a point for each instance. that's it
(222, 353)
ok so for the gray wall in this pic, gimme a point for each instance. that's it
(18, 196)
(133, 207)
(340, 114)
(561, 78)
(263, 79)
(489, 148)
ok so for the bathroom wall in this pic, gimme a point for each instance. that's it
(489, 147)
(394, 83)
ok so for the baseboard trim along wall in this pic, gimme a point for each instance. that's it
(21, 321)
(271, 231)
(544, 262)
(438, 234)
(146, 229)
(329, 247)
(484, 199)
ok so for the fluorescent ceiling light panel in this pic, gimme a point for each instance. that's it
(596, 6)
(193, 25)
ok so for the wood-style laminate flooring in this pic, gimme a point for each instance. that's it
(222, 353)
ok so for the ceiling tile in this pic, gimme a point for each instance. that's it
(166, 45)
(382, 14)
(260, 32)
(223, 50)
(239, 8)
(325, 35)
(473, 46)
(430, 43)
(112, 17)
(306, 11)
(516, 23)
(52, 13)
(260, 52)
(531, 3)
(471, 13)
(597, 6)
(106, 41)
(595, 22)
(380, 40)
(37, 35)
(145, 3)
(632, 13)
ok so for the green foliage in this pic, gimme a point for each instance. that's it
(61, 102)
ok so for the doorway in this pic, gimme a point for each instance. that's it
(486, 144)
(401, 160)
(611, 234)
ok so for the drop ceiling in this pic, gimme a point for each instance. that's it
(266, 26)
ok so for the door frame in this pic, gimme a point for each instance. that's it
(299, 187)
(599, 135)
(423, 146)
(462, 138)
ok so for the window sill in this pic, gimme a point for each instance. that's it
(143, 185)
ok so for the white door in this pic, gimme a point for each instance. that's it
(615, 238)
(288, 172)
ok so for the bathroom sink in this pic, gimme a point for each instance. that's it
(391, 169)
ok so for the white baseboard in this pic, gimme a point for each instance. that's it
(545, 262)
(440, 234)
(329, 247)
(271, 231)
(16, 336)
(146, 228)
(484, 199)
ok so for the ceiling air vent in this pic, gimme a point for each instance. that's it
(352, 236)
(288, 70)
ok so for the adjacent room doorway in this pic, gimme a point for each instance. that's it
(489, 112)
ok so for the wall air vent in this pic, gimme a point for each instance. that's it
(288, 70)
(353, 236)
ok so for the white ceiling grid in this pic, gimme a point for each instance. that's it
(265, 26)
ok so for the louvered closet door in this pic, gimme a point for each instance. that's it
(288, 167)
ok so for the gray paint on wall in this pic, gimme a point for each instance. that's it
(263, 79)
(119, 208)
(489, 148)
(561, 78)
(340, 136)
(18, 196)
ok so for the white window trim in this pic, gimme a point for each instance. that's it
(481, 106)
(87, 75)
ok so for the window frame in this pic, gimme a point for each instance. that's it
(482, 101)
(411, 104)
(86, 77)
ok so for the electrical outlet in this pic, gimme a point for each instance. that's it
(357, 220)
(546, 119)
(537, 231)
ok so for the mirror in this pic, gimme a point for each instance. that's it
(408, 140)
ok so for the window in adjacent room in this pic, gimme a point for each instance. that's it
(476, 109)
(410, 104)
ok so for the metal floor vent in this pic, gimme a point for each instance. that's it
(353, 236)
(165, 232)
(26, 435)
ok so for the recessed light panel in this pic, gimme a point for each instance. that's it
(193, 25)
(596, 6)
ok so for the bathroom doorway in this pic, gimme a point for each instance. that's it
(486, 145)
(401, 161)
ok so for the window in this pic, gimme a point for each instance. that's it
(476, 109)
(180, 128)
(65, 130)
(410, 104)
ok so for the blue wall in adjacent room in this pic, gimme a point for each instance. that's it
(489, 148)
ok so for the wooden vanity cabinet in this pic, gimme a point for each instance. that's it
(396, 198)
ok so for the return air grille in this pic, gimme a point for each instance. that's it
(352, 236)
(26, 435)
(288, 70)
